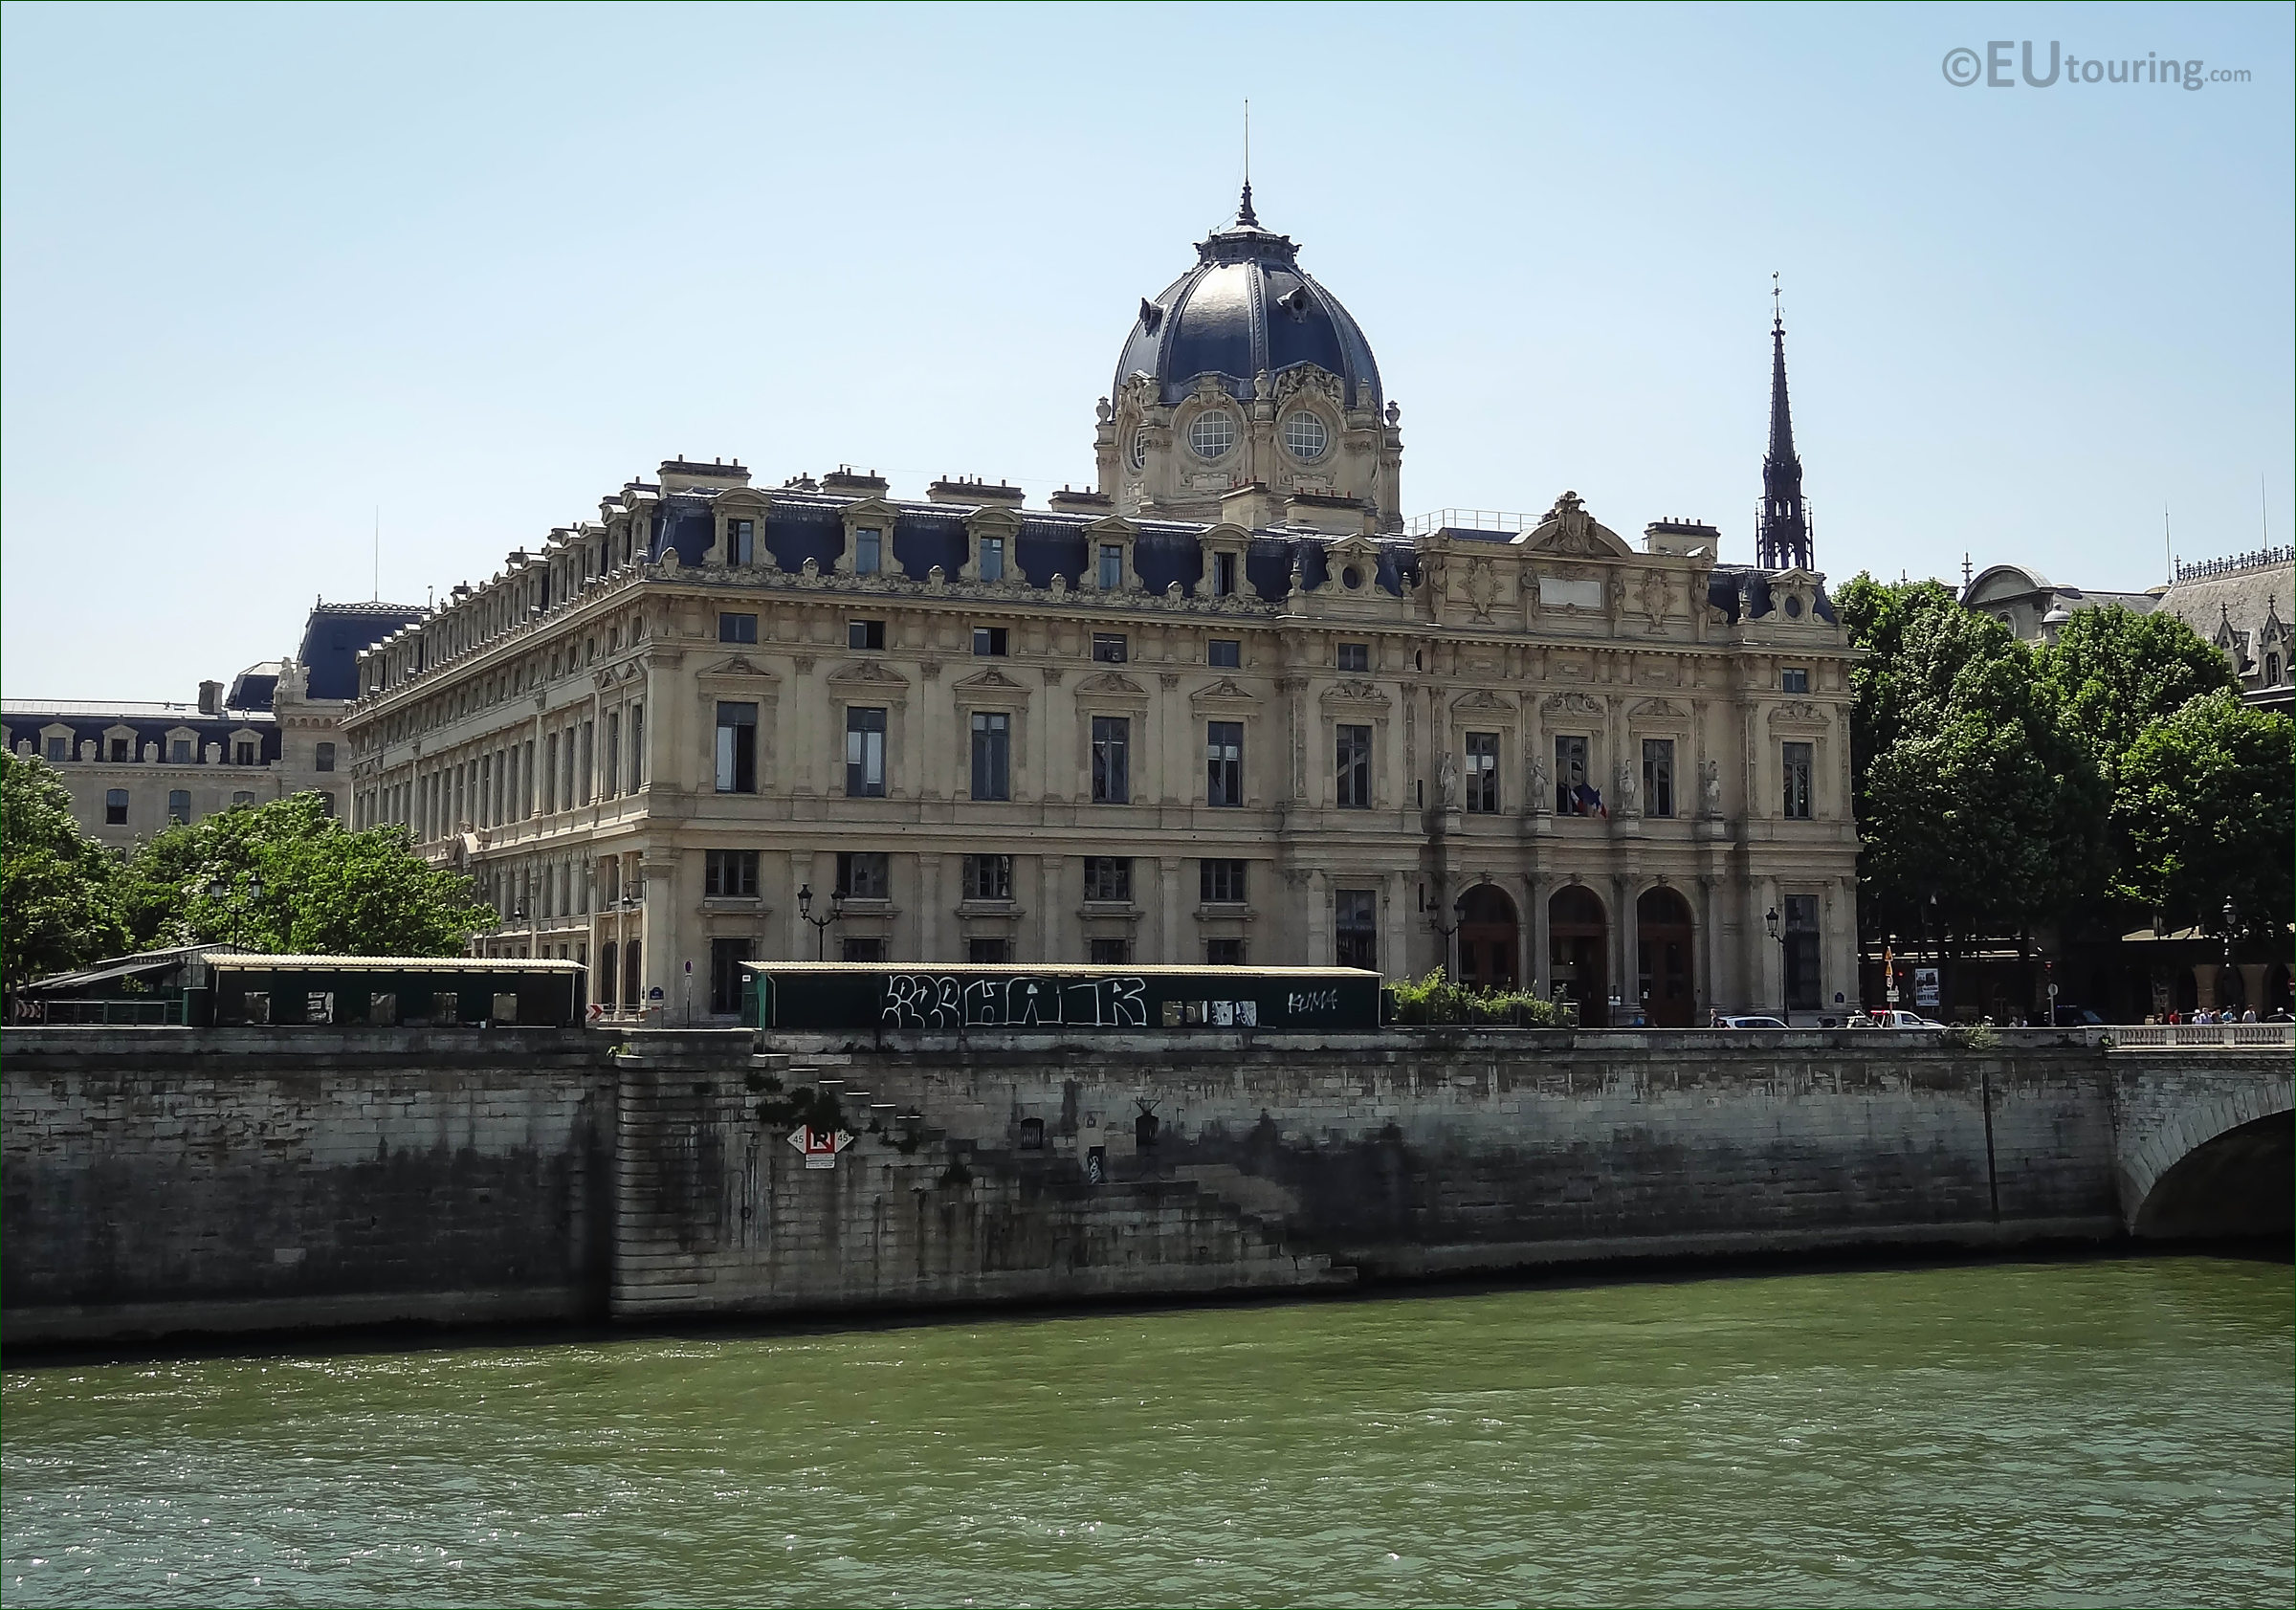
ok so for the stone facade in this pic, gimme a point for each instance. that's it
(1279, 730)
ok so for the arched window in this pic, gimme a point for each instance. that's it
(1212, 433)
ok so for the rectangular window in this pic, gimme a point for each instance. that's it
(243, 752)
(862, 874)
(1107, 878)
(729, 875)
(610, 777)
(1483, 772)
(1224, 953)
(1570, 777)
(1223, 653)
(869, 551)
(992, 559)
(120, 751)
(864, 754)
(179, 805)
(737, 748)
(737, 628)
(1354, 656)
(1223, 575)
(982, 950)
(1658, 776)
(988, 642)
(1797, 768)
(1224, 762)
(1355, 928)
(865, 634)
(1112, 760)
(992, 755)
(325, 758)
(59, 749)
(1112, 566)
(1109, 953)
(1805, 987)
(550, 773)
(588, 776)
(862, 950)
(1794, 679)
(1221, 883)
(179, 753)
(740, 541)
(726, 973)
(1108, 647)
(1353, 768)
(114, 807)
(988, 877)
(242, 798)
(637, 748)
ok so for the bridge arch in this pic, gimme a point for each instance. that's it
(2217, 1166)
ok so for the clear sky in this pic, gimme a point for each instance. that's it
(267, 270)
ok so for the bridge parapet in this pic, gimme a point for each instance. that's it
(2198, 1036)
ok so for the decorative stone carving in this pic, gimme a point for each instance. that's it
(1572, 702)
(1539, 786)
(1710, 787)
(1446, 780)
(1482, 589)
(1627, 790)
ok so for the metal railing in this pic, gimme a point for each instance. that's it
(2133, 1035)
(165, 1012)
(1473, 519)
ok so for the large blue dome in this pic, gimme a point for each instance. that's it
(1244, 309)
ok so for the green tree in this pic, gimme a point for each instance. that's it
(2116, 671)
(325, 889)
(2205, 804)
(1970, 786)
(58, 895)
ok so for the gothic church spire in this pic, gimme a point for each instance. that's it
(1783, 528)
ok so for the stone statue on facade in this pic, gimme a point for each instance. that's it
(1446, 780)
(1539, 786)
(1710, 787)
(1629, 791)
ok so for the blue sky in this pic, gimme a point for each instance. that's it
(266, 270)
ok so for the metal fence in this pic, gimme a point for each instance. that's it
(149, 1011)
(2133, 1035)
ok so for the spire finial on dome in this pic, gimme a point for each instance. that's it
(1244, 212)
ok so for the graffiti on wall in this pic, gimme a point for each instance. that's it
(943, 1002)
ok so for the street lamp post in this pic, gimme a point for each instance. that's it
(221, 892)
(820, 924)
(1785, 1010)
(2232, 923)
(1443, 933)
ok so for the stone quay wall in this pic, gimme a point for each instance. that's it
(163, 1180)
(159, 1180)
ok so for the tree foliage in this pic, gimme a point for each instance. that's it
(2205, 805)
(2114, 671)
(325, 889)
(58, 895)
(1981, 811)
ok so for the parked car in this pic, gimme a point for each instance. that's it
(1902, 1019)
(2075, 1017)
(1750, 1023)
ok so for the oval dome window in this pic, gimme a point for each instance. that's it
(1306, 436)
(1212, 434)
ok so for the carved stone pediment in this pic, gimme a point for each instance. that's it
(1225, 692)
(868, 675)
(1363, 696)
(993, 520)
(738, 667)
(1482, 700)
(1571, 704)
(1798, 713)
(1569, 529)
(1110, 684)
(988, 684)
(1110, 528)
(1657, 710)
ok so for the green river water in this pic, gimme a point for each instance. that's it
(2110, 1431)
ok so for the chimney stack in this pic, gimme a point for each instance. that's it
(210, 698)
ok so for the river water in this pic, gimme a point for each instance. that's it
(2109, 1431)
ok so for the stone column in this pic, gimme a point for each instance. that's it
(1394, 916)
(2252, 974)
(1168, 943)
(1541, 961)
(1703, 945)
(932, 910)
(2204, 983)
(1628, 974)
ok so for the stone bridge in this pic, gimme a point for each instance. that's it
(2203, 1140)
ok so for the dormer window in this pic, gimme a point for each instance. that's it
(1223, 575)
(869, 551)
(1112, 566)
(992, 559)
(740, 541)
(179, 751)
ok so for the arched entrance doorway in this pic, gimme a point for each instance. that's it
(1578, 942)
(1489, 939)
(1661, 937)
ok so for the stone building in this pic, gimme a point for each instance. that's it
(133, 768)
(1226, 707)
(2243, 605)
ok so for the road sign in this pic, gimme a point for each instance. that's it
(655, 994)
(820, 1146)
